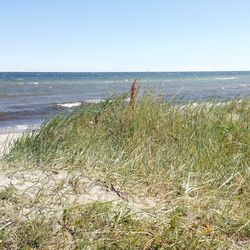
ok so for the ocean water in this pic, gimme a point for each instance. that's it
(27, 99)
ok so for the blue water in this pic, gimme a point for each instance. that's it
(30, 98)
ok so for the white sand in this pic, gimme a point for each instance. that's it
(6, 140)
(75, 186)
(61, 187)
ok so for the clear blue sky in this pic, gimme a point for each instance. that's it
(124, 35)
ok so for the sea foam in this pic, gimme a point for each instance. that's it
(94, 100)
(225, 78)
(69, 105)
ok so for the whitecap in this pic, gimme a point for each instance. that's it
(32, 83)
(21, 127)
(94, 100)
(225, 78)
(69, 105)
(108, 82)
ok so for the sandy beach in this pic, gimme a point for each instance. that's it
(6, 140)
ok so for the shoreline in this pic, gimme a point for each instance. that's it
(7, 139)
(8, 135)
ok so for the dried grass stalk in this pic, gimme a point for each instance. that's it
(133, 95)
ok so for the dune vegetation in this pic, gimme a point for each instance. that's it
(159, 175)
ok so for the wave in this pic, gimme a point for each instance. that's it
(72, 105)
(23, 113)
(20, 128)
(244, 85)
(108, 81)
(94, 100)
(40, 111)
(26, 83)
(210, 78)
(69, 105)
(225, 78)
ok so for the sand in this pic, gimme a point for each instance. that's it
(66, 187)
(6, 141)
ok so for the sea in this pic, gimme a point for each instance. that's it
(27, 99)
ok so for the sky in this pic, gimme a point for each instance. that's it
(124, 35)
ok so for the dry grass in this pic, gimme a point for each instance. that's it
(134, 95)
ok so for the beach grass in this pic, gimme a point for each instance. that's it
(171, 176)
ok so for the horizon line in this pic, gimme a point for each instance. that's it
(140, 71)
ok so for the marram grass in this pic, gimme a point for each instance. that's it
(190, 162)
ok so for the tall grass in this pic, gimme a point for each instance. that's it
(190, 161)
